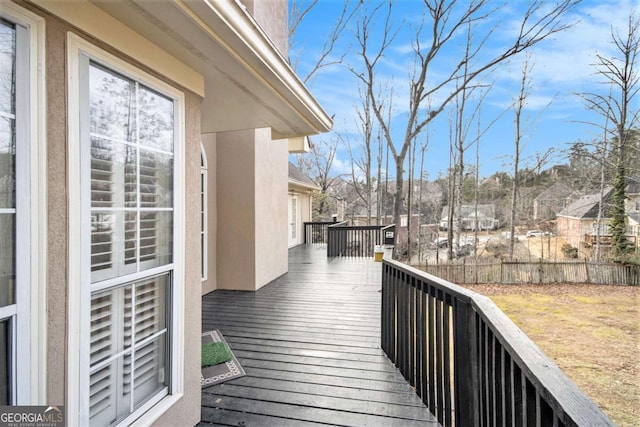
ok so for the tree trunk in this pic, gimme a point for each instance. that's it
(398, 201)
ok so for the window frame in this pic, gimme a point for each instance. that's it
(78, 51)
(30, 357)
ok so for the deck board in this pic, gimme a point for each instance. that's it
(310, 344)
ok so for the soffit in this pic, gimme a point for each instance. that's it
(247, 83)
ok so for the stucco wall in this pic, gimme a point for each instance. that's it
(236, 210)
(272, 168)
(187, 410)
(252, 209)
(56, 211)
(272, 16)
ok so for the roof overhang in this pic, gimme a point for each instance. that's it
(214, 48)
(301, 186)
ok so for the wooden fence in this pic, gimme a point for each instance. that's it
(470, 271)
(468, 362)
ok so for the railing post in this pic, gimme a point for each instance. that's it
(465, 365)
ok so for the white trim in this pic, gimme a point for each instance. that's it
(78, 48)
(33, 392)
(156, 411)
(281, 78)
(7, 311)
(133, 277)
(204, 227)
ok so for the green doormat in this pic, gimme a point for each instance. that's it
(214, 353)
(223, 371)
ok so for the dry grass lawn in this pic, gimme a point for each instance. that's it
(591, 332)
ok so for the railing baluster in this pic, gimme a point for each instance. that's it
(485, 375)
(421, 372)
(384, 310)
(497, 389)
(530, 400)
(439, 354)
(519, 404)
(412, 331)
(505, 379)
(432, 349)
(446, 333)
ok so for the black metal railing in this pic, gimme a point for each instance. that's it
(316, 232)
(469, 363)
(355, 241)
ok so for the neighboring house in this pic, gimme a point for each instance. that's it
(578, 220)
(485, 218)
(552, 200)
(300, 204)
(121, 118)
(577, 223)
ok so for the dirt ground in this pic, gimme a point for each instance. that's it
(592, 332)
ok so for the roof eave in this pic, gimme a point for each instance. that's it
(213, 48)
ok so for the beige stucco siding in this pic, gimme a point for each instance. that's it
(56, 211)
(252, 209)
(272, 16)
(187, 410)
(272, 256)
(236, 210)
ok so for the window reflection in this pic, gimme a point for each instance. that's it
(132, 137)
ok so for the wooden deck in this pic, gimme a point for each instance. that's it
(310, 344)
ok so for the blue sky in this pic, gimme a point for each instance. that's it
(561, 68)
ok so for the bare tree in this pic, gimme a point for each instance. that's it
(518, 107)
(621, 75)
(298, 10)
(362, 166)
(318, 165)
(442, 20)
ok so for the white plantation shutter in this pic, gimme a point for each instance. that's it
(131, 208)
(102, 389)
(128, 348)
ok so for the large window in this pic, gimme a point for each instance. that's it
(127, 136)
(19, 135)
(8, 159)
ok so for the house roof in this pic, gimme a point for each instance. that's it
(216, 49)
(557, 191)
(297, 178)
(586, 207)
(633, 186)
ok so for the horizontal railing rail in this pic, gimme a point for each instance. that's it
(353, 241)
(468, 362)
